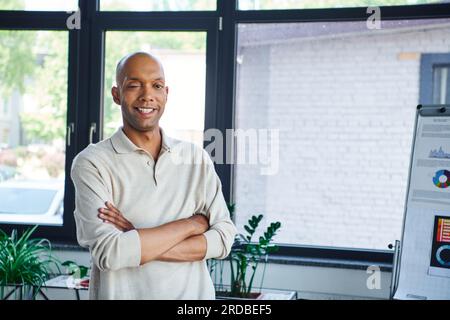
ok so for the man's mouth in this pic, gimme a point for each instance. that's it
(146, 111)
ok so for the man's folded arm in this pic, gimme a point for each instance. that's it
(157, 241)
(218, 240)
(214, 243)
(188, 250)
(221, 234)
(110, 248)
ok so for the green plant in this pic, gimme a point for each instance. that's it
(24, 262)
(245, 255)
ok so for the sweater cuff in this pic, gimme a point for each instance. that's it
(130, 248)
(213, 244)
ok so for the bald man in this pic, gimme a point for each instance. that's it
(150, 222)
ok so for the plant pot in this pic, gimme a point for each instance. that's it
(226, 295)
(265, 294)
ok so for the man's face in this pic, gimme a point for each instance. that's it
(141, 92)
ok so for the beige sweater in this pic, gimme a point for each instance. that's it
(182, 182)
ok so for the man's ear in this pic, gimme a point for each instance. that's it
(167, 92)
(116, 95)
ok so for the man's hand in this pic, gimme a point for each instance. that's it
(200, 222)
(112, 215)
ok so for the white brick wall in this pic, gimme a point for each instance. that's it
(346, 108)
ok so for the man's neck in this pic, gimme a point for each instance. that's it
(150, 141)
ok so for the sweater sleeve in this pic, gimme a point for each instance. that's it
(221, 234)
(111, 249)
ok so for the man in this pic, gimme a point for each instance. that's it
(150, 222)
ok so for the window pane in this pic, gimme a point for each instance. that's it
(40, 5)
(183, 55)
(441, 85)
(309, 4)
(33, 87)
(343, 98)
(158, 5)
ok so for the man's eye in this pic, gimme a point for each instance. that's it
(159, 86)
(132, 86)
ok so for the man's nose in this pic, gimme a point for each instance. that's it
(147, 93)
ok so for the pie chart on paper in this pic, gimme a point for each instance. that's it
(442, 179)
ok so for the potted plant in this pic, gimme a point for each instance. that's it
(245, 257)
(24, 264)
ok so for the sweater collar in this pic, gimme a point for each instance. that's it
(122, 144)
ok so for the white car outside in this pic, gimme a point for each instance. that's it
(32, 202)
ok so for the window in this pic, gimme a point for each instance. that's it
(435, 78)
(343, 98)
(310, 4)
(441, 85)
(158, 5)
(33, 79)
(54, 83)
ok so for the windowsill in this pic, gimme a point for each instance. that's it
(67, 247)
(329, 263)
(277, 259)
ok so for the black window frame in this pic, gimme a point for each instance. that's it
(85, 82)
